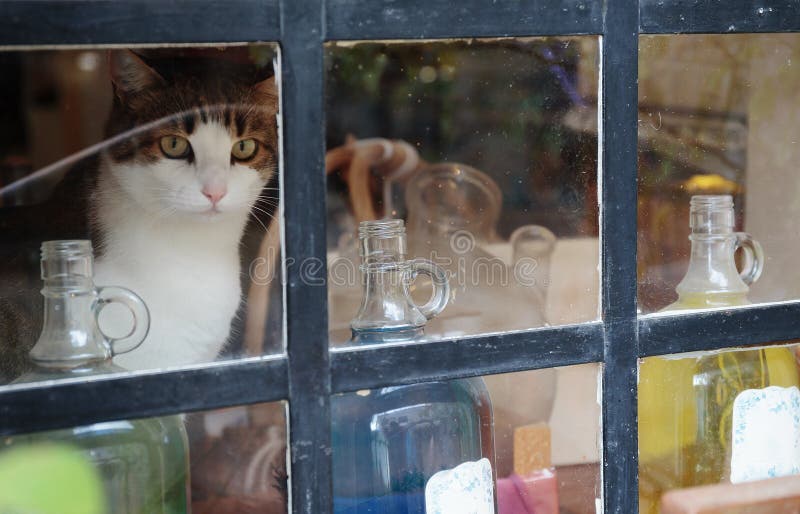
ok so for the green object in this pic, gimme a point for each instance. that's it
(49, 479)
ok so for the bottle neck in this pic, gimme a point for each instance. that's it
(712, 272)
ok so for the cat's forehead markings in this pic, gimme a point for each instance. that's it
(211, 144)
(188, 123)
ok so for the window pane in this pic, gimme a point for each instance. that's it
(487, 150)
(392, 446)
(166, 160)
(716, 417)
(229, 461)
(718, 115)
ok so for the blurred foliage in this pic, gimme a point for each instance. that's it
(497, 105)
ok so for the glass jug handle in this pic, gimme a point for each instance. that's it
(754, 257)
(137, 307)
(441, 286)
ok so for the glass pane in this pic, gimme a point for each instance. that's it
(229, 461)
(487, 150)
(718, 115)
(166, 161)
(529, 440)
(717, 417)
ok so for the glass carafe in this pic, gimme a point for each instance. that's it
(453, 210)
(144, 463)
(393, 446)
(686, 402)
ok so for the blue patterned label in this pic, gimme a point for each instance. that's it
(766, 434)
(465, 489)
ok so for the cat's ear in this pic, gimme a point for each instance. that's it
(130, 75)
(267, 88)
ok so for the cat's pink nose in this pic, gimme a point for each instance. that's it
(214, 193)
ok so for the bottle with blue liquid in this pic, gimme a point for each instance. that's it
(415, 449)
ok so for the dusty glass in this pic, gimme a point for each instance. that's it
(717, 195)
(166, 162)
(487, 149)
(718, 115)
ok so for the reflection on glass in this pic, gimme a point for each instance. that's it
(387, 442)
(689, 406)
(468, 141)
(166, 159)
(718, 114)
(238, 465)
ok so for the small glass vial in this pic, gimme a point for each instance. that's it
(144, 463)
(395, 448)
(712, 279)
(387, 312)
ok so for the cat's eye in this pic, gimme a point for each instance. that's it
(175, 147)
(244, 149)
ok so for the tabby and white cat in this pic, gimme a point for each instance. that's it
(171, 200)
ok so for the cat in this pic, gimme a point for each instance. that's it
(192, 145)
(171, 204)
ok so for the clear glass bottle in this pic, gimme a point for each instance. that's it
(388, 443)
(686, 401)
(144, 463)
(387, 312)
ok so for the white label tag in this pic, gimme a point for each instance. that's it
(465, 489)
(766, 434)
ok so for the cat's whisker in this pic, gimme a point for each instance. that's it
(261, 223)
(263, 210)
(259, 209)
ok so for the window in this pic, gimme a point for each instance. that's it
(498, 182)
(309, 375)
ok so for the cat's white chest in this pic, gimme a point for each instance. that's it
(191, 299)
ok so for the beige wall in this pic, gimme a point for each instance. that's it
(773, 163)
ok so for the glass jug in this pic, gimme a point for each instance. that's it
(394, 448)
(144, 463)
(453, 210)
(686, 402)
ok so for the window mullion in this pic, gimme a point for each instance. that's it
(306, 299)
(618, 171)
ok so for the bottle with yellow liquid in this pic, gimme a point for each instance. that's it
(686, 402)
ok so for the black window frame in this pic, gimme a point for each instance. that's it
(309, 372)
